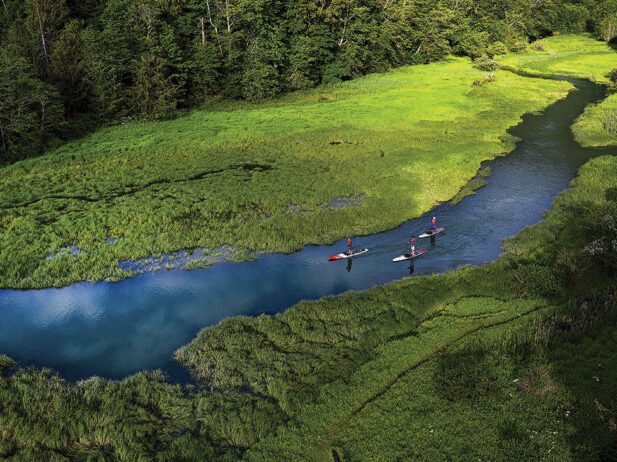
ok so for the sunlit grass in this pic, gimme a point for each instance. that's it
(577, 56)
(403, 141)
(571, 55)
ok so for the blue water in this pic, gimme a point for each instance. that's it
(116, 329)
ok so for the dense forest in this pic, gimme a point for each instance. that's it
(68, 66)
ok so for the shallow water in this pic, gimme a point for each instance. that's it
(116, 329)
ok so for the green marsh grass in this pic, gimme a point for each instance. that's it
(403, 141)
(468, 190)
(597, 126)
(487, 361)
(577, 56)
(339, 357)
(570, 55)
(485, 172)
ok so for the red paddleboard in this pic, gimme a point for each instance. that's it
(409, 256)
(343, 256)
(430, 233)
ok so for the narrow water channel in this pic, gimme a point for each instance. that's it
(116, 329)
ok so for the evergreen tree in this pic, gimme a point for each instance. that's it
(43, 23)
(154, 94)
(69, 69)
(30, 110)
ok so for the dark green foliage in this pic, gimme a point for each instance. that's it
(30, 110)
(473, 44)
(484, 63)
(68, 69)
(154, 93)
(612, 75)
(540, 280)
(497, 48)
(519, 46)
(572, 18)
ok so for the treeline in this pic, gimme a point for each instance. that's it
(67, 66)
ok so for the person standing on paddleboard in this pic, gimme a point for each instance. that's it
(413, 245)
(349, 245)
(433, 227)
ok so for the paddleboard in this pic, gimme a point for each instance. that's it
(429, 234)
(342, 256)
(408, 256)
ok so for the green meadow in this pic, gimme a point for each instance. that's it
(567, 55)
(259, 177)
(576, 56)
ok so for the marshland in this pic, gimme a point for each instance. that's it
(501, 344)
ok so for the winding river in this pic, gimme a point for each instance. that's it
(116, 329)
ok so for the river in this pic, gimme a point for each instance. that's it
(116, 329)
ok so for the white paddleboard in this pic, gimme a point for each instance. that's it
(409, 256)
(430, 234)
(342, 256)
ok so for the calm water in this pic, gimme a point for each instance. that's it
(116, 329)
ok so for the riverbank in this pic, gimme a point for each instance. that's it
(163, 310)
(259, 178)
(576, 56)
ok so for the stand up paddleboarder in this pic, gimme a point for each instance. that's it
(349, 245)
(413, 245)
(433, 227)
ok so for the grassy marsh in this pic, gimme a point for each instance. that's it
(468, 190)
(570, 55)
(440, 367)
(514, 359)
(338, 367)
(403, 141)
(576, 56)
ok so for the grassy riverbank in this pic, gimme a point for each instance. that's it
(339, 367)
(513, 359)
(570, 55)
(577, 56)
(258, 177)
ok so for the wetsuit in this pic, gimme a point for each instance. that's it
(349, 245)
